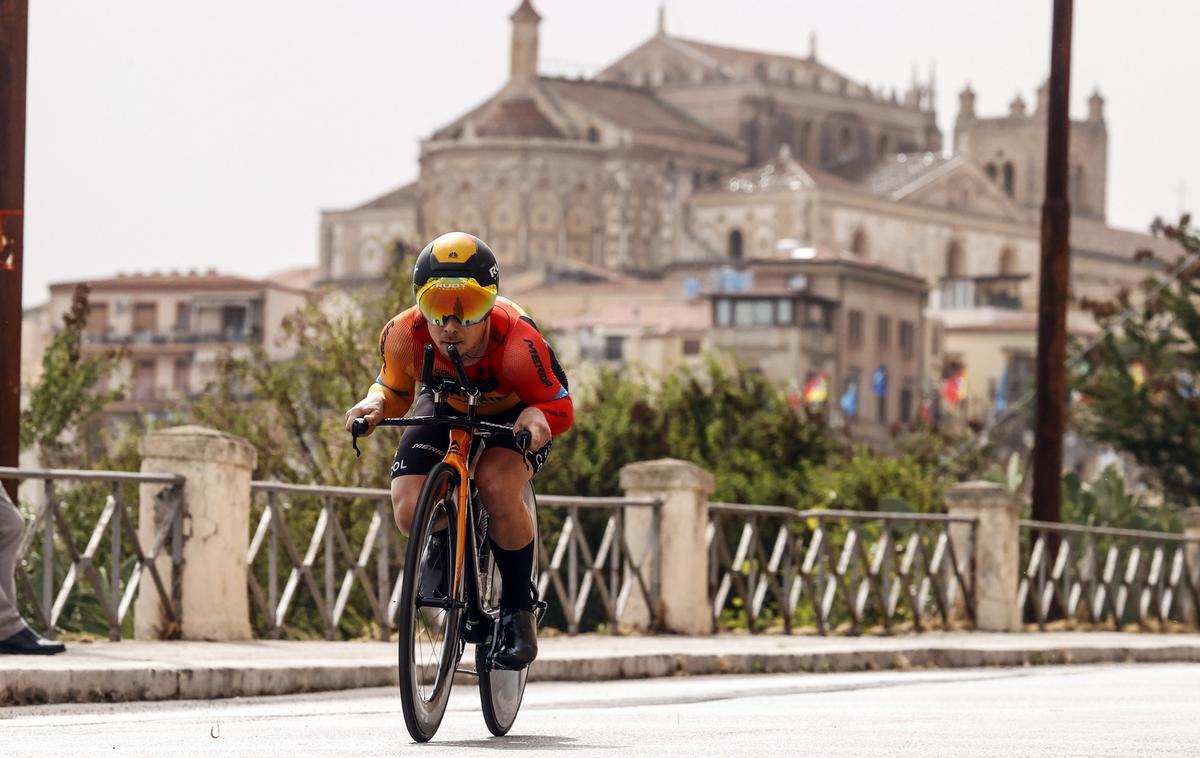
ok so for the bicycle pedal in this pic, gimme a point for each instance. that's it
(539, 610)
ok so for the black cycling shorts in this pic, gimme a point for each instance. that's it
(422, 447)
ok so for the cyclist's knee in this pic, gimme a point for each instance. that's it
(497, 493)
(404, 500)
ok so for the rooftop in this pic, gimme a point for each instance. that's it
(175, 280)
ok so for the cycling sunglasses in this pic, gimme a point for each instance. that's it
(460, 297)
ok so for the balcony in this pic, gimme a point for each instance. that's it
(767, 340)
(177, 337)
(1000, 292)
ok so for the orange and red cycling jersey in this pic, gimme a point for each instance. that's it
(518, 367)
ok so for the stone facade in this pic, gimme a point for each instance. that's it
(1012, 150)
(682, 157)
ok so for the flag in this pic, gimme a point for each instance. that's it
(879, 379)
(1002, 392)
(955, 389)
(1187, 385)
(849, 400)
(817, 389)
(1137, 372)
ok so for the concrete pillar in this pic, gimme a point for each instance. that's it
(997, 550)
(1190, 519)
(683, 489)
(216, 532)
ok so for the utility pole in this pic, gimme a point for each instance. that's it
(1055, 281)
(14, 31)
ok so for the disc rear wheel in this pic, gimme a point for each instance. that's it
(500, 691)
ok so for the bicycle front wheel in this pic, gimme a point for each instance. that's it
(430, 626)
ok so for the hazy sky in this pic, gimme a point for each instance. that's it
(210, 133)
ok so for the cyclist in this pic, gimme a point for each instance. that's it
(455, 281)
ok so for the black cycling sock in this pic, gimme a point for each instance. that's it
(516, 566)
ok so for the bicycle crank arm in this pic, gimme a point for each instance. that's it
(444, 603)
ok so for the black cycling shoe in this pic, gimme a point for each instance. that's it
(517, 646)
(435, 582)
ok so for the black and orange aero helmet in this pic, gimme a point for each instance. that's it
(456, 275)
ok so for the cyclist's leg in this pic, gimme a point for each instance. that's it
(501, 476)
(420, 449)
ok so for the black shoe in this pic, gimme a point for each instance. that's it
(29, 642)
(517, 646)
(435, 582)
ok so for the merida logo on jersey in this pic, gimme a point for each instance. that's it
(537, 362)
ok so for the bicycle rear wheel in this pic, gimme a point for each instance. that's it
(430, 627)
(501, 692)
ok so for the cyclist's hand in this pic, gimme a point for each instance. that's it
(369, 408)
(533, 421)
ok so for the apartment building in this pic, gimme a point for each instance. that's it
(808, 312)
(175, 327)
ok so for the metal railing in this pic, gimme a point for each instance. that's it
(342, 567)
(114, 559)
(613, 555)
(1104, 575)
(840, 571)
(593, 579)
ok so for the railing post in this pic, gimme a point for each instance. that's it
(1190, 518)
(216, 468)
(997, 550)
(683, 488)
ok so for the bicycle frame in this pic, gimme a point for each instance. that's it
(463, 432)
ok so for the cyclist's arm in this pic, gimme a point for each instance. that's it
(539, 380)
(395, 383)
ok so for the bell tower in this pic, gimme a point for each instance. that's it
(525, 22)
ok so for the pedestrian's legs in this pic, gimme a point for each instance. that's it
(11, 526)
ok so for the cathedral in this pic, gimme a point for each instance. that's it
(604, 171)
(687, 157)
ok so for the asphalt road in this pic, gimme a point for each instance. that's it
(1129, 710)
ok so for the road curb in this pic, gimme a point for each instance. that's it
(133, 681)
(659, 665)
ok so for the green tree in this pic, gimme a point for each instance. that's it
(734, 423)
(1141, 382)
(916, 477)
(65, 401)
(292, 409)
(62, 419)
(1106, 502)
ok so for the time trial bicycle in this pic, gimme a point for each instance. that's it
(434, 629)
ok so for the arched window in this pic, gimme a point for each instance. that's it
(735, 244)
(955, 261)
(1010, 179)
(844, 137)
(593, 135)
(1077, 188)
(885, 145)
(1008, 261)
(858, 245)
(990, 170)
